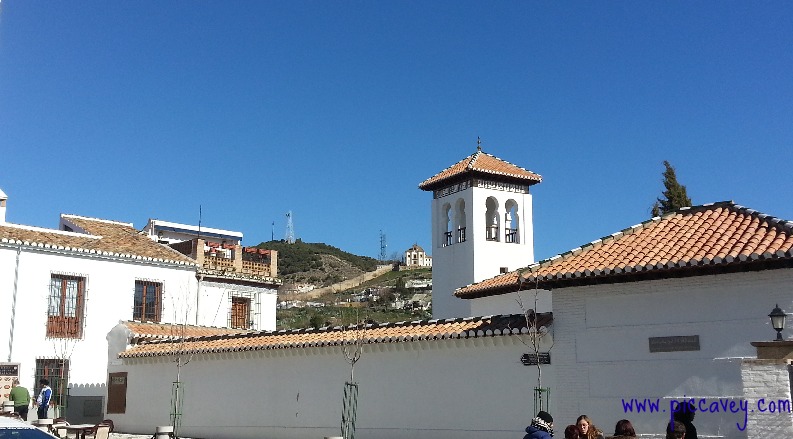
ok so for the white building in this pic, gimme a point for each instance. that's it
(415, 257)
(662, 311)
(65, 288)
(481, 226)
(238, 286)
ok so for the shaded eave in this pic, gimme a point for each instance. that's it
(471, 174)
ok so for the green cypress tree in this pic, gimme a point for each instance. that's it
(674, 197)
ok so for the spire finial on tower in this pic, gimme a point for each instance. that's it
(478, 143)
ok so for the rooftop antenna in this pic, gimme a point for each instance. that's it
(382, 246)
(478, 143)
(290, 229)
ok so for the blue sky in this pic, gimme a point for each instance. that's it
(337, 110)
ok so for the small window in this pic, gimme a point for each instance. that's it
(148, 301)
(504, 270)
(65, 307)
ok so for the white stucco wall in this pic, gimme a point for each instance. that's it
(602, 345)
(444, 389)
(476, 259)
(109, 295)
(509, 303)
(215, 304)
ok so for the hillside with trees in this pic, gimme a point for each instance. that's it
(317, 263)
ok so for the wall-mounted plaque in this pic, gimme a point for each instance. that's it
(9, 369)
(675, 343)
(531, 359)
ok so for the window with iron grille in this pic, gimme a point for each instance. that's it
(148, 301)
(240, 316)
(65, 306)
(56, 371)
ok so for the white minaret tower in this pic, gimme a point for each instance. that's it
(481, 226)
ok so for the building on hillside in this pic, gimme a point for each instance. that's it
(481, 226)
(662, 311)
(64, 288)
(300, 376)
(239, 283)
(415, 257)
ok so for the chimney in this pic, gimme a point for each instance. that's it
(3, 199)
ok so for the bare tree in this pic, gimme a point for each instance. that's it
(537, 334)
(181, 357)
(353, 339)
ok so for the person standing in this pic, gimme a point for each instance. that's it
(43, 400)
(685, 415)
(21, 397)
(541, 427)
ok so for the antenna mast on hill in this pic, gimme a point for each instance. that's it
(382, 246)
(290, 229)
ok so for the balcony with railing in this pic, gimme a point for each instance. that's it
(230, 259)
(511, 236)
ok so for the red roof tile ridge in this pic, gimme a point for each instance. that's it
(469, 164)
(786, 225)
(373, 333)
(470, 157)
(472, 166)
(626, 231)
(648, 258)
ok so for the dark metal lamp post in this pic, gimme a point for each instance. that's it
(778, 321)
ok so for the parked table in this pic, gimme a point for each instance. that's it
(79, 429)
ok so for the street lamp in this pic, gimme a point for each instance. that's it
(778, 321)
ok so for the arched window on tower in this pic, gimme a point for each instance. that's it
(460, 220)
(446, 225)
(511, 221)
(491, 219)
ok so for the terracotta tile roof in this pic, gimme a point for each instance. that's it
(717, 237)
(483, 164)
(145, 331)
(93, 236)
(470, 327)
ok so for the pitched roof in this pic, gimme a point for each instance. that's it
(147, 331)
(480, 163)
(718, 237)
(416, 247)
(471, 327)
(93, 236)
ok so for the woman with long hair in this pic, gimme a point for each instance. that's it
(587, 429)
